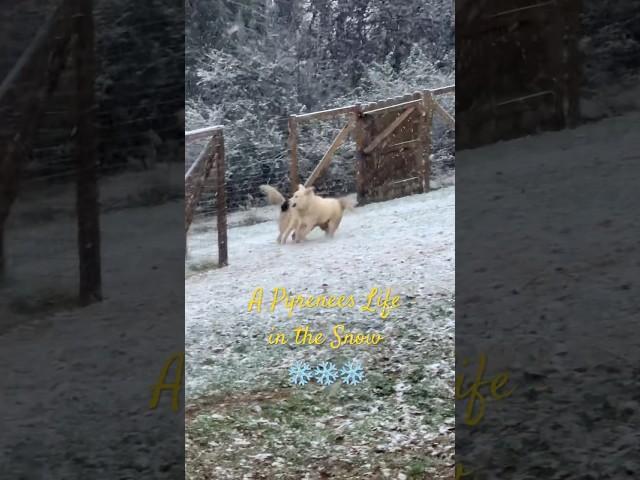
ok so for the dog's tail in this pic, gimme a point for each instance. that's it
(274, 197)
(347, 203)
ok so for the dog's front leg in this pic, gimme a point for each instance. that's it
(290, 228)
(285, 236)
(302, 232)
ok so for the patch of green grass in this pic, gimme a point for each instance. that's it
(241, 348)
(203, 266)
(433, 401)
(381, 385)
(297, 423)
(441, 310)
(206, 427)
(417, 469)
(305, 406)
(416, 376)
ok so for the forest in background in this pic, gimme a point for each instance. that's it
(250, 64)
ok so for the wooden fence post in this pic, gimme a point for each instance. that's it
(8, 192)
(87, 206)
(427, 102)
(421, 135)
(574, 60)
(360, 136)
(293, 146)
(221, 202)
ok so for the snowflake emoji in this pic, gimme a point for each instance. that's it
(300, 373)
(352, 373)
(326, 373)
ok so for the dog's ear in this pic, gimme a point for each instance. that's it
(309, 190)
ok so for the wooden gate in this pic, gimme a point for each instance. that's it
(518, 62)
(390, 151)
(393, 144)
(24, 92)
(196, 176)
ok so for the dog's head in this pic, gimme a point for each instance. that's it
(301, 198)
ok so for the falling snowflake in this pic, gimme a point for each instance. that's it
(300, 373)
(352, 373)
(326, 373)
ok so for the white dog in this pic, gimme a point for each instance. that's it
(274, 197)
(307, 211)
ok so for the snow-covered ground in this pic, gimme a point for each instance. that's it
(76, 383)
(547, 288)
(406, 244)
(238, 388)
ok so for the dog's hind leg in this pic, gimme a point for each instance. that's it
(324, 227)
(333, 226)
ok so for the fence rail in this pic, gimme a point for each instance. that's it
(375, 126)
(201, 133)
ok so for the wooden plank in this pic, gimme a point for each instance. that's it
(524, 98)
(389, 130)
(390, 108)
(328, 156)
(31, 81)
(443, 90)
(521, 9)
(201, 133)
(404, 180)
(294, 177)
(87, 205)
(55, 31)
(444, 114)
(330, 113)
(195, 178)
(409, 144)
(221, 203)
(496, 23)
(23, 93)
(195, 165)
